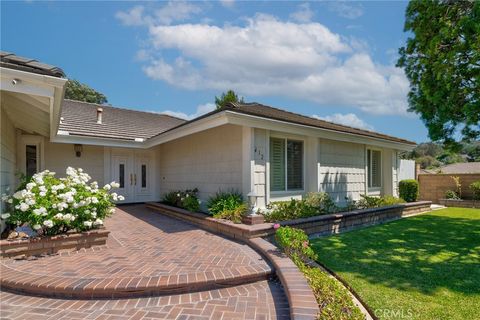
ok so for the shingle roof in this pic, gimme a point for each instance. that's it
(80, 118)
(465, 167)
(12, 61)
(260, 110)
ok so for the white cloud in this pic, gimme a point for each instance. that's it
(346, 10)
(267, 56)
(348, 119)
(133, 17)
(201, 110)
(303, 14)
(169, 13)
(227, 3)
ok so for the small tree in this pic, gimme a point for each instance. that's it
(75, 90)
(230, 96)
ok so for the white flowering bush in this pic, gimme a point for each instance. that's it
(51, 206)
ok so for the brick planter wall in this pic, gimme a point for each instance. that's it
(318, 225)
(460, 203)
(336, 223)
(53, 244)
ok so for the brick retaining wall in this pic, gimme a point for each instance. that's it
(434, 186)
(336, 223)
(53, 244)
(318, 225)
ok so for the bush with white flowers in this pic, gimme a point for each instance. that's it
(51, 206)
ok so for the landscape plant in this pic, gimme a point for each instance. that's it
(51, 205)
(227, 205)
(185, 199)
(333, 299)
(314, 204)
(458, 186)
(475, 187)
(408, 190)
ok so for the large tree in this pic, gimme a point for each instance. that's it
(442, 61)
(230, 96)
(75, 90)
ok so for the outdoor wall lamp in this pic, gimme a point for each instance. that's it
(78, 150)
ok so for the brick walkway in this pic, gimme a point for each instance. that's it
(260, 300)
(147, 254)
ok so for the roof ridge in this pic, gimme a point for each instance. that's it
(321, 120)
(127, 109)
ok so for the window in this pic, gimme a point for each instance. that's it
(144, 176)
(121, 175)
(374, 163)
(286, 164)
(31, 160)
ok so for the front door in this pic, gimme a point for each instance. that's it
(133, 171)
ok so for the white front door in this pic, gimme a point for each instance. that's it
(133, 171)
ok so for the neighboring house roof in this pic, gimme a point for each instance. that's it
(12, 61)
(464, 167)
(80, 119)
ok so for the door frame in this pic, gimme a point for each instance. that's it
(134, 156)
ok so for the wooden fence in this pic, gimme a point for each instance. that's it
(434, 186)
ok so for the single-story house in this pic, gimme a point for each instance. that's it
(250, 147)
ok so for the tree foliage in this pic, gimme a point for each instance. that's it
(75, 90)
(442, 62)
(230, 96)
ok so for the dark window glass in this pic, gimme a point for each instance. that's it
(31, 164)
(121, 175)
(144, 176)
(294, 165)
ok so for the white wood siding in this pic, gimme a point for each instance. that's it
(59, 156)
(210, 161)
(7, 157)
(342, 169)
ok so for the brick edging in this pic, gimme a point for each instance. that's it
(301, 300)
(52, 244)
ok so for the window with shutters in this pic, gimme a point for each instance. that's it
(286, 164)
(374, 164)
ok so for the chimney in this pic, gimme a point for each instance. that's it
(99, 115)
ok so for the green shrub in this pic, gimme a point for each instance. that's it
(333, 299)
(475, 186)
(289, 210)
(294, 242)
(222, 201)
(227, 205)
(186, 199)
(452, 195)
(235, 215)
(408, 190)
(191, 203)
(321, 201)
(314, 204)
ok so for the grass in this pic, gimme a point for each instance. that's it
(423, 267)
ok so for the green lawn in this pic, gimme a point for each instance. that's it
(423, 267)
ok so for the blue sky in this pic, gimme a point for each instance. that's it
(333, 60)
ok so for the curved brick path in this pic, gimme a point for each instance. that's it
(145, 250)
(260, 300)
(146, 254)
